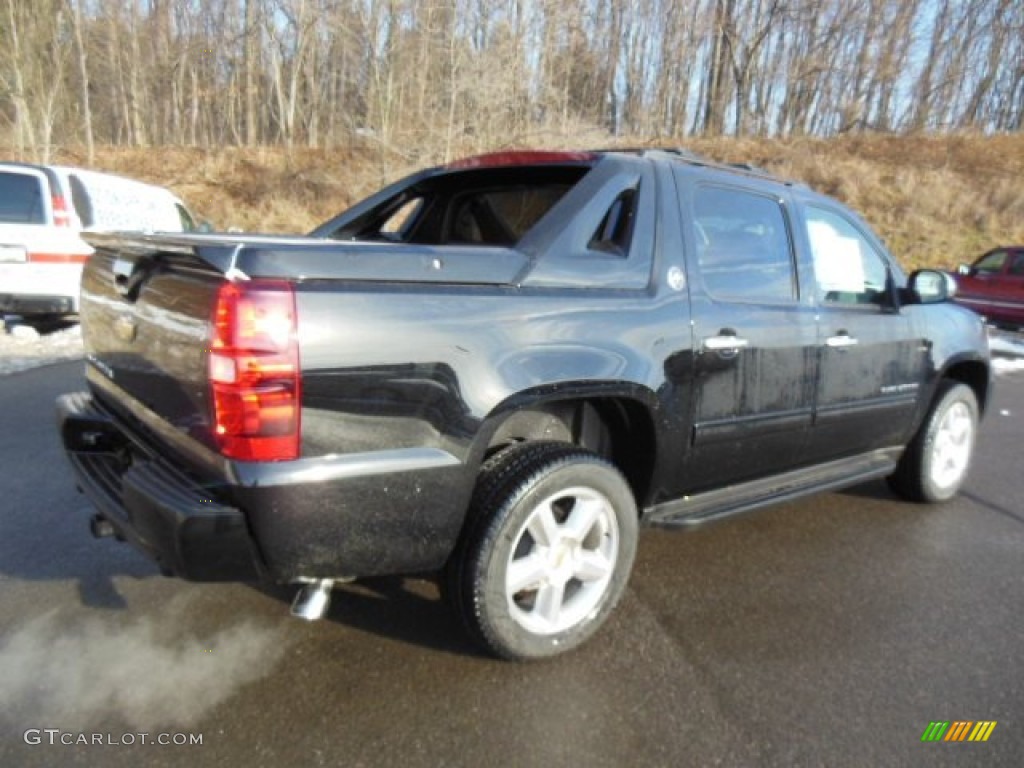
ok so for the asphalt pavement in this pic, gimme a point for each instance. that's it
(831, 631)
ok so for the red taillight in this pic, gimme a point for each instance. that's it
(254, 371)
(61, 216)
(57, 258)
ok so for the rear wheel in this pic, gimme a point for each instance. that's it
(547, 552)
(935, 464)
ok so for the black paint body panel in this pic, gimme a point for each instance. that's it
(415, 357)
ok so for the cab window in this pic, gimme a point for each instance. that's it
(991, 264)
(743, 246)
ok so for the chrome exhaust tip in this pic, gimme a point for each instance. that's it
(313, 600)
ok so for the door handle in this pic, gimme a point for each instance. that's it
(841, 341)
(725, 343)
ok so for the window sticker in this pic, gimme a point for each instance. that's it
(838, 263)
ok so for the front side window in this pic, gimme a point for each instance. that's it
(743, 246)
(848, 268)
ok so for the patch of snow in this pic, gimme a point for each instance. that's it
(1003, 365)
(24, 332)
(1007, 351)
(23, 347)
(1002, 345)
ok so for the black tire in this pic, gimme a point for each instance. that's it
(936, 462)
(571, 582)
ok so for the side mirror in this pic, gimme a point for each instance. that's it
(931, 286)
(963, 269)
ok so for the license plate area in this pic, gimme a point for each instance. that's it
(12, 254)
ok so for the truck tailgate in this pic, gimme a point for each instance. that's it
(146, 319)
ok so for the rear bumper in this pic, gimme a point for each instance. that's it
(157, 509)
(386, 512)
(39, 289)
(15, 304)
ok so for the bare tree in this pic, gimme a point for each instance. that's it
(429, 79)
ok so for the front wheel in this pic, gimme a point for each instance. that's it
(934, 466)
(547, 552)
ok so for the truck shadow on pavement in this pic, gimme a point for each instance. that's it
(407, 610)
(48, 540)
(1017, 517)
(38, 549)
(874, 489)
(96, 587)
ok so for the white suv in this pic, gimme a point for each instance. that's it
(43, 208)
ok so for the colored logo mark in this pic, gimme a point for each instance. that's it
(959, 730)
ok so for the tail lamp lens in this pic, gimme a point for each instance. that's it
(61, 216)
(254, 371)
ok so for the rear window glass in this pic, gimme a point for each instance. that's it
(486, 206)
(21, 199)
(80, 199)
(502, 216)
(403, 218)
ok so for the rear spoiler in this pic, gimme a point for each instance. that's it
(241, 257)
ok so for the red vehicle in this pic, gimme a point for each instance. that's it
(994, 286)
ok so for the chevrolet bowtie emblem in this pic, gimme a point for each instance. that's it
(125, 328)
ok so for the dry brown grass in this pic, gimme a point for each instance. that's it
(936, 201)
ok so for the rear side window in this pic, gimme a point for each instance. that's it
(615, 231)
(21, 199)
(743, 245)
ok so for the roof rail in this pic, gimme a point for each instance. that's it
(749, 167)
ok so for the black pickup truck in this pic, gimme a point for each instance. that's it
(496, 370)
